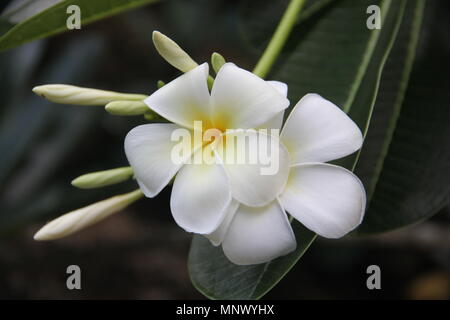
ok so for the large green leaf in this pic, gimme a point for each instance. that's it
(405, 161)
(217, 278)
(331, 53)
(390, 98)
(52, 20)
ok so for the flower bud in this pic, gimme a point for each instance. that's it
(126, 108)
(217, 61)
(160, 84)
(103, 178)
(79, 219)
(67, 94)
(172, 52)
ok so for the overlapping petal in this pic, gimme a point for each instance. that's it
(216, 237)
(318, 131)
(200, 196)
(185, 99)
(281, 87)
(276, 121)
(241, 100)
(256, 164)
(327, 199)
(149, 151)
(258, 235)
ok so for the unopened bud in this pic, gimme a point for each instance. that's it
(126, 108)
(172, 53)
(79, 219)
(103, 178)
(67, 94)
(217, 61)
(160, 84)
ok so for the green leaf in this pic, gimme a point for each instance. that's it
(5, 26)
(331, 53)
(218, 278)
(53, 20)
(19, 10)
(404, 162)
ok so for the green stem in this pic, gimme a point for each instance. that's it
(279, 38)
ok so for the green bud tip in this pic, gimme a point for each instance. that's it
(103, 178)
(217, 61)
(160, 84)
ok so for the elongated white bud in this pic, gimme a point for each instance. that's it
(217, 61)
(127, 108)
(172, 53)
(79, 219)
(103, 178)
(67, 94)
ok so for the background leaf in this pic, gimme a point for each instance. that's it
(18, 10)
(405, 162)
(333, 54)
(52, 20)
(218, 278)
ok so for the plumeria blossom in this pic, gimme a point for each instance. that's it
(204, 194)
(234, 205)
(327, 199)
(243, 206)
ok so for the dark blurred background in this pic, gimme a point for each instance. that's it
(140, 253)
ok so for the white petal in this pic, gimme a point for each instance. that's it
(277, 121)
(281, 87)
(148, 149)
(258, 235)
(327, 199)
(216, 237)
(185, 99)
(257, 175)
(274, 123)
(200, 197)
(241, 100)
(318, 131)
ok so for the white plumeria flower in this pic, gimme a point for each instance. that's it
(327, 199)
(203, 195)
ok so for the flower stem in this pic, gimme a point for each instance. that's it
(279, 38)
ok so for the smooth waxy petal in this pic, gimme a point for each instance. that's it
(281, 87)
(241, 100)
(258, 235)
(149, 150)
(200, 197)
(327, 199)
(257, 174)
(318, 131)
(185, 99)
(277, 121)
(216, 237)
